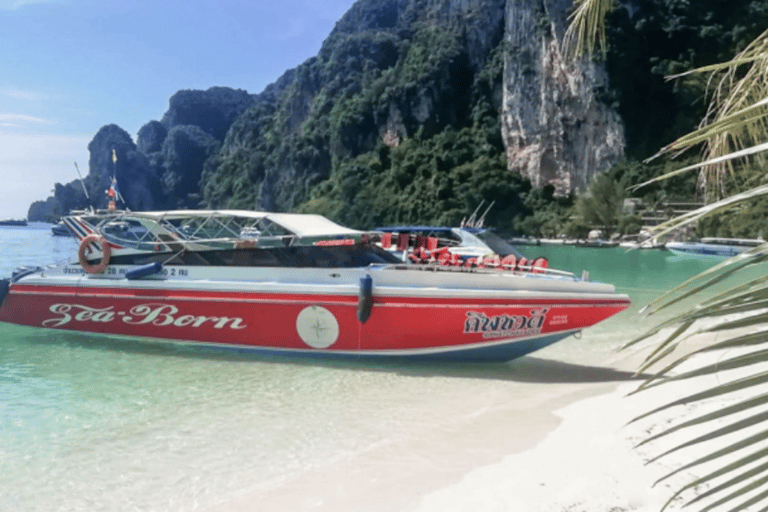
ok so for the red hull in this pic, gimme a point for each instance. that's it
(307, 323)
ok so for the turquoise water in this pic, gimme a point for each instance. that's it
(92, 424)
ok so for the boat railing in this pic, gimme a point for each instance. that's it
(194, 231)
(525, 270)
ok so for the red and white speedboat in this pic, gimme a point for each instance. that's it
(293, 284)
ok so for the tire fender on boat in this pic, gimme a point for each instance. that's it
(365, 298)
(4, 284)
(106, 253)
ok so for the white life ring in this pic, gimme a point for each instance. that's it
(106, 253)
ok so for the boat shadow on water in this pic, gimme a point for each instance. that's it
(528, 369)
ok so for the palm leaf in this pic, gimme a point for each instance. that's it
(737, 342)
(733, 134)
(762, 468)
(733, 481)
(759, 148)
(736, 125)
(586, 28)
(696, 215)
(741, 492)
(715, 415)
(723, 452)
(715, 392)
(707, 279)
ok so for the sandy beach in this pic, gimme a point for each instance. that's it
(567, 444)
(449, 468)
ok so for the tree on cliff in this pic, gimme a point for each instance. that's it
(601, 206)
(734, 136)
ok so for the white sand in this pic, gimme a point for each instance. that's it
(592, 462)
(566, 448)
(586, 464)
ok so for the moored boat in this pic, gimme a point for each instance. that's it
(596, 243)
(717, 248)
(293, 284)
(60, 229)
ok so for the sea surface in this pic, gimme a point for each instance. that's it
(92, 424)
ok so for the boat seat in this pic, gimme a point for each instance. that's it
(402, 241)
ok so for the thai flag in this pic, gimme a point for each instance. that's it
(113, 191)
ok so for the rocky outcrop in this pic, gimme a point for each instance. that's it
(555, 130)
(161, 170)
(113, 154)
(213, 110)
(151, 137)
(185, 151)
(391, 71)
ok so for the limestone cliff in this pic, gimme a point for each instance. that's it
(417, 110)
(554, 129)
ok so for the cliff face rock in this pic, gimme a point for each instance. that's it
(185, 151)
(137, 182)
(163, 169)
(213, 110)
(398, 70)
(151, 137)
(463, 84)
(415, 111)
(555, 131)
(390, 71)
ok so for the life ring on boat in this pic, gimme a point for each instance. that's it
(106, 253)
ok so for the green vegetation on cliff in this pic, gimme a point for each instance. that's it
(397, 119)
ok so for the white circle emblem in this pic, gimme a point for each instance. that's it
(317, 327)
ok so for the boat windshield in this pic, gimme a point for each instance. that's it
(306, 256)
(496, 243)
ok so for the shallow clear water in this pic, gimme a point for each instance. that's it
(98, 424)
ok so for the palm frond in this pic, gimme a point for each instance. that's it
(696, 215)
(737, 120)
(733, 136)
(741, 477)
(725, 485)
(586, 28)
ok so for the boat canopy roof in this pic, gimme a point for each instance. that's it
(299, 224)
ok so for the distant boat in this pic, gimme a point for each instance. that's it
(713, 247)
(524, 240)
(640, 242)
(60, 229)
(13, 222)
(597, 243)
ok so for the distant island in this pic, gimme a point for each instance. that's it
(13, 222)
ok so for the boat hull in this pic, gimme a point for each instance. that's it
(710, 248)
(402, 322)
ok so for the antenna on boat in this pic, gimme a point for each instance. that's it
(82, 182)
(471, 221)
(113, 194)
(482, 218)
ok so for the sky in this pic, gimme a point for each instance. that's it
(69, 67)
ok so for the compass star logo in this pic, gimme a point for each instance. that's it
(317, 327)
